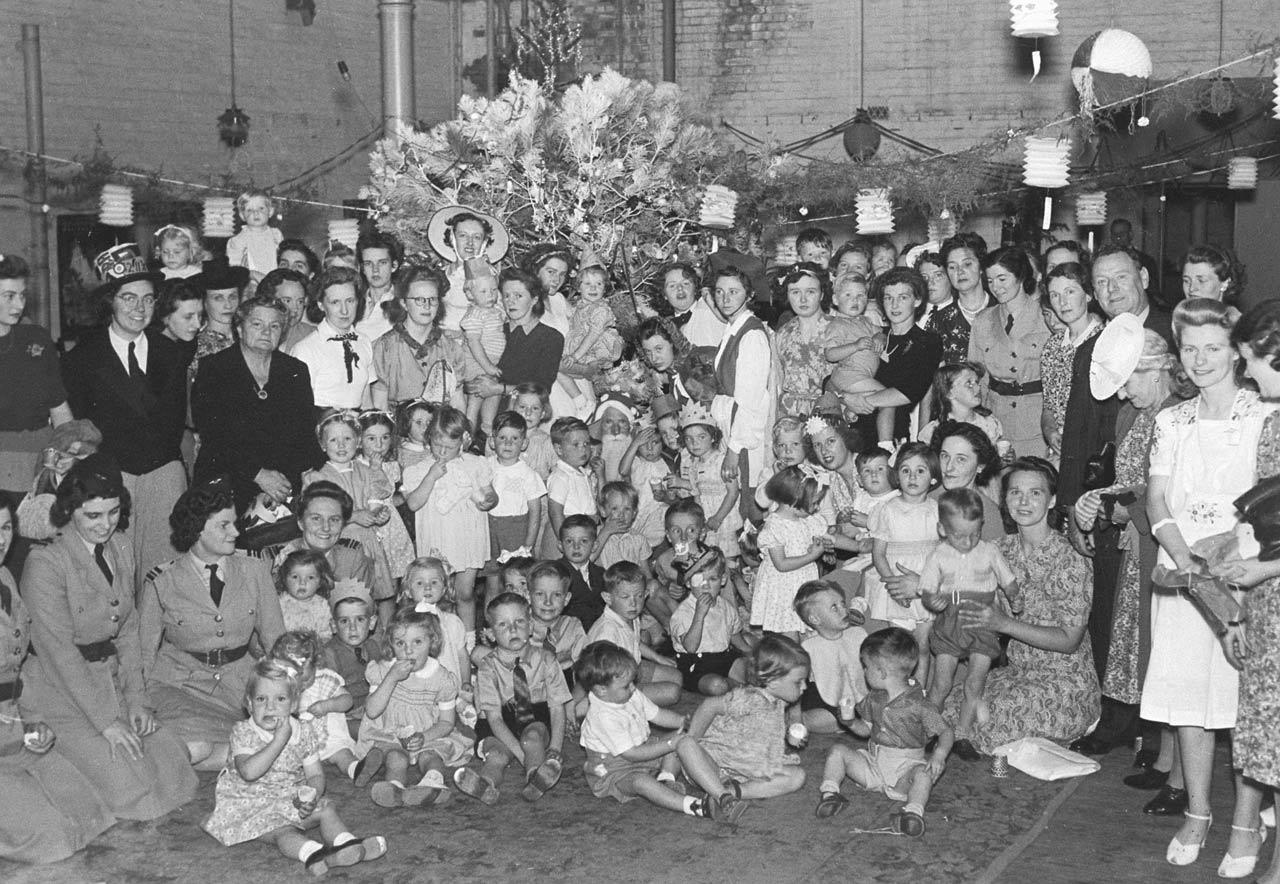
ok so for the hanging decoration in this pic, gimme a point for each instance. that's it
(1091, 209)
(874, 212)
(1242, 173)
(861, 137)
(1034, 19)
(1045, 162)
(233, 124)
(1277, 87)
(942, 227)
(784, 251)
(115, 208)
(1110, 66)
(345, 231)
(719, 205)
(219, 217)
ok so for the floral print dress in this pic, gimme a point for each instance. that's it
(804, 365)
(1042, 693)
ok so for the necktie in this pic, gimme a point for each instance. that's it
(100, 556)
(215, 585)
(1008, 324)
(6, 600)
(359, 651)
(349, 355)
(135, 369)
(522, 701)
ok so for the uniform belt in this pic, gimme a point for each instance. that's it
(94, 652)
(220, 656)
(1014, 388)
(11, 690)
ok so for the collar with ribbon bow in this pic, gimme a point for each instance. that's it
(349, 356)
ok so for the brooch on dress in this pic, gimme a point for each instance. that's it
(34, 350)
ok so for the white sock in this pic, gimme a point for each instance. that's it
(690, 805)
(829, 786)
(351, 769)
(343, 838)
(666, 776)
(917, 809)
(308, 850)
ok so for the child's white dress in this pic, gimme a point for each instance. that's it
(327, 685)
(910, 531)
(703, 473)
(650, 513)
(774, 591)
(255, 248)
(415, 703)
(449, 521)
(313, 615)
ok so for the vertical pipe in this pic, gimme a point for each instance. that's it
(669, 40)
(397, 63)
(455, 54)
(36, 194)
(620, 27)
(490, 48)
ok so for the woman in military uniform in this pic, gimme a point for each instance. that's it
(84, 676)
(198, 615)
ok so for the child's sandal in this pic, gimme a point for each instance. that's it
(907, 823)
(471, 783)
(426, 794)
(387, 794)
(368, 767)
(542, 780)
(830, 804)
(375, 847)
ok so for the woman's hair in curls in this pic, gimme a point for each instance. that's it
(902, 276)
(271, 669)
(271, 283)
(1226, 266)
(448, 422)
(847, 432)
(1014, 260)
(773, 658)
(803, 269)
(171, 293)
(1074, 271)
(327, 279)
(403, 280)
(733, 271)
(662, 327)
(259, 301)
(794, 486)
(324, 489)
(966, 239)
(302, 558)
(532, 284)
(406, 617)
(983, 449)
(72, 494)
(1259, 329)
(192, 512)
(1030, 464)
(13, 267)
(1202, 313)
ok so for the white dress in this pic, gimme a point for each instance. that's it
(910, 533)
(449, 522)
(1208, 464)
(774, 590)
(650, 513)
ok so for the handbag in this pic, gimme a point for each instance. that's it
(1210, 595)
(1046, 760)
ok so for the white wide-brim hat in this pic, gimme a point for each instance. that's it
(441, 220)
(1115, 355)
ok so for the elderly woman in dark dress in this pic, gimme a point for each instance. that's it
(254, 410)
(197, 616)
(84, 677)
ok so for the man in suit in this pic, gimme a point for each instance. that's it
(134, 390)
(1120, 284)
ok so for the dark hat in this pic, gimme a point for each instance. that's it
(217, 273)
(120, 265)
(98, 475)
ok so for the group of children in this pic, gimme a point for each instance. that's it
(606, 579)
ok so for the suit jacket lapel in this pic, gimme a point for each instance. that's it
(116, 376)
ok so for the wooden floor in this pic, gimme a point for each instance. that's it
(1100, 834)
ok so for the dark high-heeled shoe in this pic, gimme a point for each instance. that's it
(1147, 779)
(1168, 802)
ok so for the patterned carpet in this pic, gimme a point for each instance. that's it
(569, 836)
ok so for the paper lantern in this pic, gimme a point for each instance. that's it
(874, 212)
(1277, 85)
(1045, 162)
(1110, 66)
(784, 252)
(942, 227)
(861, 137)
(719, 205)
(1091, 209)
(345, 231)
(219, 217)
(1034, 18)
(1242, 173)
(115, 208)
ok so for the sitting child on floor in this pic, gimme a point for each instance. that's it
(898, 723)
(625, 594)
(353, 645)
(323, 697)
(427, 585)
(551, 626)
(305, 582)
(836, 680)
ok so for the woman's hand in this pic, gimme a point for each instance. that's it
(144, 722)
(976, 615)
(904, 586)
(121, 738)
(1245, 572)
(1235, 645)
(38, 737)
(483, 387)
(729, 468)
(274, 484)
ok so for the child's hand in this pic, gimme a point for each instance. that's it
(364, 518)
(817, 547)
(703, 605)
(936, 767)
(935, 602)
(284, 729)
(317, 708)
(415, 743)
(400, 670)
(438, 469)
(713, 524)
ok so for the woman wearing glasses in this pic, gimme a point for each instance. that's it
(415, 360)
(252, 406)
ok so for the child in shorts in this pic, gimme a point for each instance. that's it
(625, 593)
(707, 633)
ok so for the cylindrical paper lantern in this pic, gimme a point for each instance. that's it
(1045, 162)
(1034, 18)
(345, 231)
(219, 217)
(874, 212)
(1091, 209)
(115, 208)
(1242, 173)
(719, 204)
(1277, 89)
(784, 252)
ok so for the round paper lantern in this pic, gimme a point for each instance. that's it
(942, 227)
(1091, 209)
(861, 137)
(219, 217)
(1110, 66)
(115, 207)
(1242, 173)
(874, 212)
(345, 231)
(1034, 18)
(719, 205)
(1045, 162)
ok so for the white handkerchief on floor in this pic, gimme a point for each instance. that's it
(1046, 760)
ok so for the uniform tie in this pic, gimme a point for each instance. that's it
(215, 585)
(135, 369)
(100, 556)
